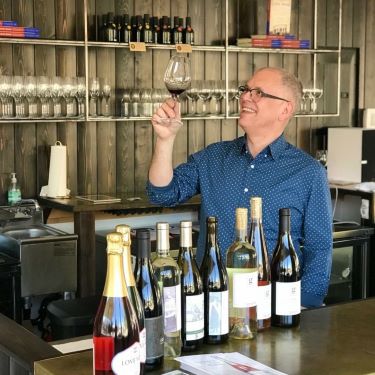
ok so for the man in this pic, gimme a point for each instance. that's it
(227, 174)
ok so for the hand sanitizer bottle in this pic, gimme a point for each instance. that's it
(14, 192)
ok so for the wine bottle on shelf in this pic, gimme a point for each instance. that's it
(103, 28)
(175, 33)
(146, 31)
(180, 30)
(155, 29)
(256, 239)
(149, 291)
(126, 29)
(243, 282)
(192, 306)
(133, 22)
(169, 278)
(215, 287)
(188, 35)
(285, 277)
(134, 297)
(139, 31)
(165, 31)
(110, 32)
(118, 24)
(116, 331)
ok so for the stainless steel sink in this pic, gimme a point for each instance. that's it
(21, 233)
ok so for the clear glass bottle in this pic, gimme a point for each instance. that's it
(14, 191)
(242, 270)
(134, 297)
(116, 331)
(215, 286)
(192, 297)
(149, 291)
(286, 277)
(256, 239)
(169, 278)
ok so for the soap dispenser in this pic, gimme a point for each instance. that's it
(14, 192)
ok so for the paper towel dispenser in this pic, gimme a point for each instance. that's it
(351, 156)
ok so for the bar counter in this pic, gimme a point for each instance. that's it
(338, 339)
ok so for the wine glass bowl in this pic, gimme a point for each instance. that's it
(177, 79)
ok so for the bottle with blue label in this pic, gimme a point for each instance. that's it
(14, 192)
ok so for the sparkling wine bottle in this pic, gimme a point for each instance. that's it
(133, 294)
(243, 282)
(116, 331)
(149, 290)
(215, 287)
(192, 297)
(285, 276)
(256, 239)
(169, 277)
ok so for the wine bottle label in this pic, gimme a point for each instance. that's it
(218, 323)
(264, 302)
(105, 358)
(142, 341)
(244, 287)
(194, 317)
(154, 337)
(127, 361)
(288, 298)
(172, 308)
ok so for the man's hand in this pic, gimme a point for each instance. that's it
(163, 119)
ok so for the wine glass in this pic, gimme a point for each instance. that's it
(177, 79)
(94, 95)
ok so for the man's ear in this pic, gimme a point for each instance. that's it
(287, 111)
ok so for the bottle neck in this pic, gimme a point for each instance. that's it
(115, 285)
(128, 271)
(162, 242)
(284, 225)
(211, 239)
(186, 237)
(241, 234)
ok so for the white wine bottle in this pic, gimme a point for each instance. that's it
(256, 238)
(116, 331)
(242, 270)
(134, 296)
(169, 278)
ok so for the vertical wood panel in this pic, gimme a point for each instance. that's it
(196, 137)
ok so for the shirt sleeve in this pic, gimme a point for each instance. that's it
(184, 185)
(317, 242)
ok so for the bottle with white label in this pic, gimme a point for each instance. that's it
(169, 278)
(149, 290)
(215, 287)
(242, 270)
(256, 238)
(192, 298)
(133, 294)
(285, 277)
(116, 331)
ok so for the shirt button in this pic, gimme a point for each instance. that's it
(245, 190)
(252, 166)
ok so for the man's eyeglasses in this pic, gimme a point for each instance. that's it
(257, 94)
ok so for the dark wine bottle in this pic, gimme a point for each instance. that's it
(149, 291)
(126, 29)
(134, 297)
(285, 276)
(165, 31)
(116, 331)
(175, 32)
(146, 31)
(192, 298)
(243, 282)
(188, 37)
(256, 239)
(118, 24)
(133, 22)
(155, 30)
(215, 287)
(110, 32)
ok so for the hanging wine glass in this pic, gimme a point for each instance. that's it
(177, 79)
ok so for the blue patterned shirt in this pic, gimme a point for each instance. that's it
(227, 176)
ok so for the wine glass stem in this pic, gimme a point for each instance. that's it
(178, 104)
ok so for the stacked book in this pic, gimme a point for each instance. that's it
(273, 41)
(10, 29)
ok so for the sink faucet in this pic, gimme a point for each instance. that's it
(28, 201)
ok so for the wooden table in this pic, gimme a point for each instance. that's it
(84, 226)
(338, 339)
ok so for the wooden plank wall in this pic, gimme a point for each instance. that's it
(114, 156)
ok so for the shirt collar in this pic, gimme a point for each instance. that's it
(275, 149)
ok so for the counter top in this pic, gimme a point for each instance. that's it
(337, 339)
